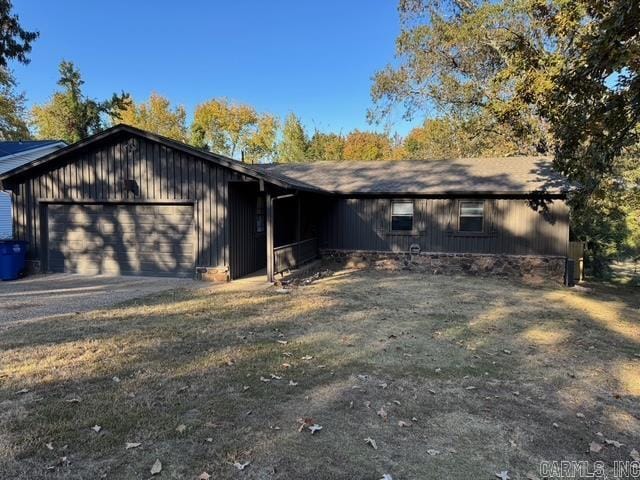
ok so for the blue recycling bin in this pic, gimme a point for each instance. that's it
(13, 255)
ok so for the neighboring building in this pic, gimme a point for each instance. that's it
(13, 155)
(127, 201)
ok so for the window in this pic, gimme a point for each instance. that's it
(401, 215)
(260, 215)
(471, 216)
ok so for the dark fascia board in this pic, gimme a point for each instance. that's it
(453, 194)
(211, 157)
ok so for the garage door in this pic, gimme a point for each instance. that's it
(121, 239)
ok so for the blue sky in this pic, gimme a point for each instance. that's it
(312, 58)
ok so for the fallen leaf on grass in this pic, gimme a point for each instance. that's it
(635, 455)
(386, 476)
(74, 400)
(433, 451)
(382, 413)
(49, 446)
(241, 466)
(580, 415)
(276, 377)
(503, 475)
(116, 379)
(286, 365)
(372, 442)
(181, 428)
(382, 385)
(292, 383)
(613, 442)
(595, 447)
(96, 428)
(245, 388)
(156, 468)
(315, 428)
(130, 445)
(307, 357)
(403, 424)
(265, 380)
(432, 392)
(282, 342)
(23, 391)
(204, 476)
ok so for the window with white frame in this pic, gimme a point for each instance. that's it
(471, 216)
(401, 215)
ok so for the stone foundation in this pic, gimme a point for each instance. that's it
(534, 269)
(213, 274)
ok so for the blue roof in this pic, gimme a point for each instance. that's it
(10, 148)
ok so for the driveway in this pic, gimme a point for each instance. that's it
(40, 296)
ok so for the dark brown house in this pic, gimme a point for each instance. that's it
(127, 201)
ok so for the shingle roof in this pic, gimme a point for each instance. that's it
(509, 175)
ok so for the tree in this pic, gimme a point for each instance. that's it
(13, 125)
(72, 116)
(326, 146)
(230, 129)
(15, 42)
(367, 146)
(156, 115)
(552, 76)
(294, 144)
(445, 137)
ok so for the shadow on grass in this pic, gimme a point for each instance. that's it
(432, 349)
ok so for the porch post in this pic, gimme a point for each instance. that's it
(298, 227)
(269, 205)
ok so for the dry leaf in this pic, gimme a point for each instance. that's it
(307, 357)
(73, 400)
(241, 466)
(286, 365)
(287, 354)
(382, 413)
(116, 379)
(595, 447)
(265, 380)
(372, 442)
(49, 446)
(204, 476)
(555, 425)
(432, 392)
(292, 383)
(23, 391)
(382, 385)
(315, 428)
(245, 388)
(276, 377)
(386, 476)
(403, 424)
(96, 428)
(635, 455)
(580, 415)
(470, 387)
(433, 451)
(181, 428)
(613, 442)
(130, 445)
(282, 342)
(367, 404)
(209, 439)
(397, 402)
(156, 468)
(508, 352)
(503, 475)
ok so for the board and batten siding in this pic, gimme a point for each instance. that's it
(163, 174)
(511, 226)
(6, 228)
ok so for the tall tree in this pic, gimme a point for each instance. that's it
(294, 144)
(15, 41)
(555, 76)
(446, 137)
(230, 129)
(158, 116)
(367, 146)
(70, 115)
(13, 124)
(326, 146)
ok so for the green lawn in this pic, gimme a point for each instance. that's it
(486, 375)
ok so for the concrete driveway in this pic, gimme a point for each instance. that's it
(40, 296)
